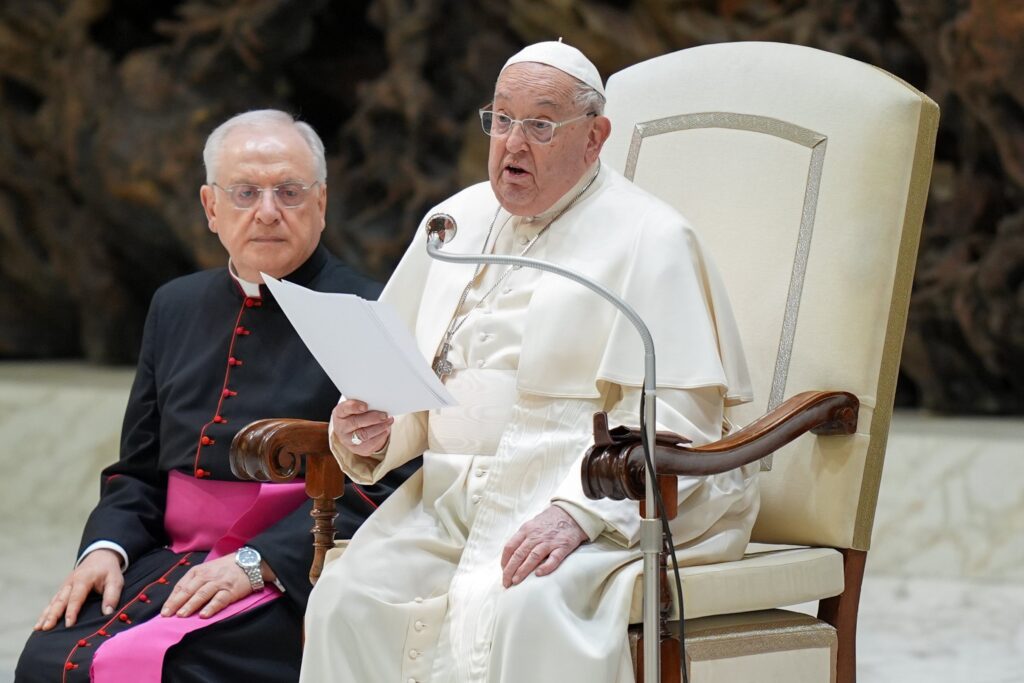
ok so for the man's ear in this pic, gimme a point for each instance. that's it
(321, 205)
(207, 195)
(600, 129)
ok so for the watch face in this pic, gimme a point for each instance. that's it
(248, 557)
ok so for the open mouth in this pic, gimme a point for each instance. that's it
(515, 170)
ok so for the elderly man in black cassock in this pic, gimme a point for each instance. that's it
(185, 573)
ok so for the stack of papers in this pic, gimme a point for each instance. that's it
(364, 348)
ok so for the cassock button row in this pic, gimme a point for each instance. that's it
(419, 625)
(207, 441)
(476, 499)
(414, 654)
(507, 290)
(484, 336)
(227, 393)
(200, 473)
(480, 471)
(417, 600)
(234, 361)
(219, 419)
(241, 330)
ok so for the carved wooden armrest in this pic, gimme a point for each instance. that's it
(272, 450)
(614, 467)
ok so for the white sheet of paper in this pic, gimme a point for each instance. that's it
(364, 348)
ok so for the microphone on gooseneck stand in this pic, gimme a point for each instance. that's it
(441, 229)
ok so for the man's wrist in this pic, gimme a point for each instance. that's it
(106, 545)
(592, 525)
(249, 561)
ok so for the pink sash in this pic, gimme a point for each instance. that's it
(201, 514)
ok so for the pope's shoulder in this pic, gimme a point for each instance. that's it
(478, 198)
(641, 214)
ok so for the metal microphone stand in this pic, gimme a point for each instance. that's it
(441, 229)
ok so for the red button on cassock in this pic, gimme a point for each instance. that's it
(241, 330)
(227, 393)
(83, 643)
(218, 419)
(124, 617)
(207, 441)
(249, 303)
(234, 361)
(69, 666)
(200, 473)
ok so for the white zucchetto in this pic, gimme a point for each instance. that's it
(562, 57)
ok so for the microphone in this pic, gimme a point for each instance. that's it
(441, 229)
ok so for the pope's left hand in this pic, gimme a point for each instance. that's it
(541, 543)
(208, 587)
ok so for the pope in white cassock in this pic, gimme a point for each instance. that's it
(490, 564)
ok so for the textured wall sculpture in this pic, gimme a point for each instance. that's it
(106, 104)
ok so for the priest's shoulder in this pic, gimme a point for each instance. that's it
(338, 276)
(187, 288)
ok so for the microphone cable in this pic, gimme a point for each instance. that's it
(666, 534)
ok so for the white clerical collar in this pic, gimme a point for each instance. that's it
(251, 289)
(570, 195)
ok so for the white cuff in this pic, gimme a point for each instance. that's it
(592, 525)
(108, 545)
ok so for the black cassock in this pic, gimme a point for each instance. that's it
(212, 360)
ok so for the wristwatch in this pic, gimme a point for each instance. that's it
(249, 560)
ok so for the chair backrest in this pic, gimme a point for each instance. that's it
(805, 174)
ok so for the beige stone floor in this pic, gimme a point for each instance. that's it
(943, 599)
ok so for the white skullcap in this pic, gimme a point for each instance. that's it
(562, 57)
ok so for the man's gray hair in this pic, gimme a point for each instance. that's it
(588, 99)
(211, 153)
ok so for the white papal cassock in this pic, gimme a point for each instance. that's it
(417, 596)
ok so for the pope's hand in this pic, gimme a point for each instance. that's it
(100, 571)
(371, 428)
(210, 587)
(541, 543)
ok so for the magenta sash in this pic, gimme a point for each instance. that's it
(200, 514)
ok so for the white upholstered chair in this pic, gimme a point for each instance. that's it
(805, 174)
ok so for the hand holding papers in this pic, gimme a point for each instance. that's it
(363, 347)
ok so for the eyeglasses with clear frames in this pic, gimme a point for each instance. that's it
(287, 195)
(539, 131)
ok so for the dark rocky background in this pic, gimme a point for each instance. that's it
(106, 103)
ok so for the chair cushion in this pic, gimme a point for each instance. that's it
(768, 576)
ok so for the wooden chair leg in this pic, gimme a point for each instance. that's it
(841, 613)
(671, 653)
